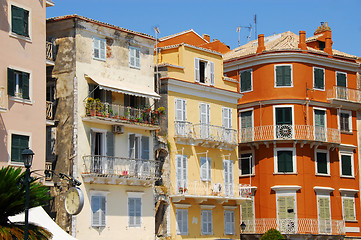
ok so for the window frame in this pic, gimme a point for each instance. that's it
(135, 49)
(184, 109)
(12, 132)
(339, 111)
(314, 121)
(275, 75)
(314, 79)
(209, 72)
(347, 153)
(286, 193)
(323, 195)
(328, 174)
(346, 196)
(336, 77)
(275, 107)
(240, 80)
(252, 152)
(180, 231)
(209, 231)
(13, 34)
(98, 194)
(208, 169)
(16, 98)
(234, 222)
(294, 159)
(101, 40)
(135, 195)
(253, 216)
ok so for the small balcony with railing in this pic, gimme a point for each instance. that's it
(202, 191)
(49, 113)
(49, 54)
(303, 226)
(118, 170)
(3, 100)
(205, 135)
(302, 133)
(344, 96)
(117, 114)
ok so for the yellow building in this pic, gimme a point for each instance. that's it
(203, 175)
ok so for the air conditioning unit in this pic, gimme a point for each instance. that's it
(118, 129)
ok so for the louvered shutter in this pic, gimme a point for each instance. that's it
(145, 147)
(324, 208)
(131, 56)
(137, 58)
(102, 49)
(131, 146)
(346, 165)
(210, 222)
(203, 163)
(17, 20)
(179, 221)
(290, 203)
(96, 46)
(341, 80)
(138, 211)
(95, 205)
(319, 81)
(184, 171)
(230, 164)
(321, 162)
(196, 70)
(209, 168)
(110, 144)
(92, 140)
(180, 110)
(203, 113)
(102, 210)
(282, 208)
(247, 210)
(287, 75)
(246, 81)
(131, 211)
(26, 23)
(179, 171)
(11, 82)
(212, 73)
(203, 222)
(246, 119)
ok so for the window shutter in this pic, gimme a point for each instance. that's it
(290, 203)
(196, 70)
(178, 110)
(25, 85)
(209, 169)
(285, 161)
(184, 110)
(212, 73)
(346, 165)
(96, 46)
(246, 119)
(11, 82)
(203, 163)
(137, 58)
(95, 205)
(287, 75)
(210, 222)
(102, 49)
(103, 212)
(179, 221)
(202, 112)
(108, 97)
(321, 162)
(184, 170)
(131, 211)
(132, 56)
(138, 211)
(131, 146)
(110, 144)
(246, 81)
(17, 20)
(341, 80)
(179, 171)
(279, 76)
(319, 78)
(145, 147)
(185, 221)
(26, 23)
(282, 209)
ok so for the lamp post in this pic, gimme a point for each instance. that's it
(27, 155)
(243, 227)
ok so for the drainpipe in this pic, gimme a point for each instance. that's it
(75, 146)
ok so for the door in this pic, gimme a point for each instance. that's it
(320, 125)
(246, 133)
(324, 216)
(227, 125)
(286, 209)
(284, 127)
(341, 82)
(228, 177)
(97, 151)
(204, 118)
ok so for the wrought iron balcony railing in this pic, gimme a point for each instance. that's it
(289, 132)
(49, 110)
(49, 51)
(295, 226)
(205, 132)
(107, 166)
(345, 94)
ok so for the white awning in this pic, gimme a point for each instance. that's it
(39, 217)
(124, 87)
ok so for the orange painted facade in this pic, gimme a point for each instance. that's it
(267, 138)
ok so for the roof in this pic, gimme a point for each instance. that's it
(180, 33)
(285, 41)
(59, 18)
(191, 46)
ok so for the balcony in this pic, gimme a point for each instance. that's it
(347, 97)
(302, 133)
(49, 53)
(202, 191)
(115, 114)
(117, 170)
(49, 113)
(295, 226)
(3, 100)
(205, 135)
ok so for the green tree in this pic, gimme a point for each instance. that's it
(12, 202)
(272, 234)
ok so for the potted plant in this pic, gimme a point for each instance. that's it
(90, 107)
(99, 106)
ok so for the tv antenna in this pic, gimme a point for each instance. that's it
(239, 28)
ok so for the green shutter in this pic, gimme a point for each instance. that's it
(246, 119)
(341, 79)
(321, 162)
(18, 144)
(283, 116)
(285, 161)
(26, 23)
(283, 75)
(319, 82)
(346, 165)
(110, 144)
(17, 20)
(11, 82)
(245, 163)
(25, 85)
(246, 81)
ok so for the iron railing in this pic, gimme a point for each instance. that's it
(49, 51)
(49, 110)
(289, 132)
(126, 167)
(295, 226)
(343, 93)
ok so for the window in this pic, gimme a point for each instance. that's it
(98, 205)
(322, 162)
(204, 71)
(284, 122)
(285, 160)
(138, 146)
(180, 109)
(134, 57)
(287, 212)
(346, 164)
(345, 121)
(99, 49)
(341, 83)
(181, 171)
(19, 21)
(207, 222)
(229, 222)
(246, 164)
(320, 124)
(247, 214)
(319, 78)
(205, 120)
(228, 177)
(134, 211)
(18, 144)
(18, 84)
(348, 207)
(283, 75)
(227, 117)
(205, 164)
(246, 80)
(182, 221)
(246, 125)
(324, 214)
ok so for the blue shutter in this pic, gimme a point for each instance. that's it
(145, 147)
(110, 144)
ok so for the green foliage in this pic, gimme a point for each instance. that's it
(272, 234)
(12, 202)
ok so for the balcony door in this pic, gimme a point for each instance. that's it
(181, 174)
(138, 150)
(228, 177)
(284, 127)
(286, 213)
(324, 215)
(101, 151)
(341, 82)
(205, 120)
(246, 131)
(320, 125)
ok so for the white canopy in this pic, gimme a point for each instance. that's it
(124, 87)
(39, 217)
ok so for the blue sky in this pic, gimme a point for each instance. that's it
(220, 18)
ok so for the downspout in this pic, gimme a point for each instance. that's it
(75, 146)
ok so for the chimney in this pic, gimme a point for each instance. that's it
(328, 45)
(261, 46)
(302, 40)
(206, 37)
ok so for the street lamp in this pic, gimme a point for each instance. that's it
(27, 155)
(243, 227)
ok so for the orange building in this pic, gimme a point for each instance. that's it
(298, 135)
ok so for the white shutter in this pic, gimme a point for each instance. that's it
(178, 215)
(102, 51)
(212, 73)
(103, 213)
(227, 117)
(208, 114)
(203, 163)
(96, 47)
(203, 222)
(196, 70)
(131, 212)
(131, 148)
(185, 221)
(137, 58)
(131, 56)
(209, 169)
(210, 222)
(184, 110)
(138, 211)
(95, 205)
(184, 171)
(179, 171)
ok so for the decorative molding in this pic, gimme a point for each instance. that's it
(184, 205)
(319, 189)
(286, 188)
(229, 207)
(207, 206)
(348, 191)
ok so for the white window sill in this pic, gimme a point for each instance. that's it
(246, 91)
(343, 176)
(246, 175)
(284, 86)
(286, 173)
(21, 100)
(135, 67)
(135, 226)
(322, 175)
(346, 132)
(100, 59)
(16, 164)
(14, 35)
(205, 180)
(319, 89)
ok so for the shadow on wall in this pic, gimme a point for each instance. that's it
(3, 142)
(4, 22)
